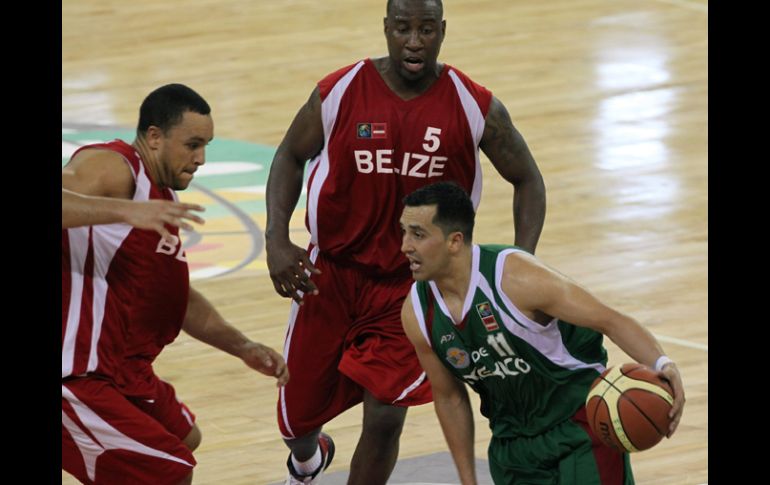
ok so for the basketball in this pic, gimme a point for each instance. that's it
(628, 406)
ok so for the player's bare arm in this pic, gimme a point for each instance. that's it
(97, 186)
(98, 173)
(450, 399)
(286, 261)
(203, 322)
(542, 293)
(506, 149)
(87, 210)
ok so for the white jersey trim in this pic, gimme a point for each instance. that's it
(89, 449)
(518, 315)
(414, 385)
(108, 437)
(476, 123)
(106, 239)
(472, 284)
(78, 249)
(547, 340)
(329, 109)
(419, 314)
(287, 345)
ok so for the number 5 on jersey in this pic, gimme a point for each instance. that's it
(417, 165)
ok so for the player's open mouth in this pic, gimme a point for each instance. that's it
(413, 64)
(414, 265)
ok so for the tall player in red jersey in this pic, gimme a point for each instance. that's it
(126, 295)
(375, 131)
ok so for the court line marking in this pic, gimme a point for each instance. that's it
(682, 342)
(251, 226)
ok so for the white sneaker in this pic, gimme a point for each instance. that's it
(327, 453)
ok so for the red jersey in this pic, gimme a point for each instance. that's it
(124, 290)
(378, 148)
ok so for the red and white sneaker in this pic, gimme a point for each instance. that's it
(326, 444)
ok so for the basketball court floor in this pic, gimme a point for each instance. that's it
(611, 96)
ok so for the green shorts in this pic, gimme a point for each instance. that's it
(567, 454)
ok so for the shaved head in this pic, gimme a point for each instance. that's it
(438, 3)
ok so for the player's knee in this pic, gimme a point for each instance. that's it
(384, 421)
(193, 438)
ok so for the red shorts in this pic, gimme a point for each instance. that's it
(110, 438)
(346, 339)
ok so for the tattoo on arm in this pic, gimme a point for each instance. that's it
(510, 155)
(504, 145)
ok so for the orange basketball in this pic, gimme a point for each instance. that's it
(628, 407)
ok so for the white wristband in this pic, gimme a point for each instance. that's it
(662, 360)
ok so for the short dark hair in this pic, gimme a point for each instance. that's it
(454, 209)
(165, 107)
(390, 4)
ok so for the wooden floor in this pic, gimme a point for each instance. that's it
(611, 96)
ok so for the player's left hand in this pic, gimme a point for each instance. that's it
(267, 361)
(671, 374)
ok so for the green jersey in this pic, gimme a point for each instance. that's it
(530, 376)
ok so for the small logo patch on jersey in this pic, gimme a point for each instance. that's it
(487, 317)
(458, 358)
(364, 130)
(372, 130)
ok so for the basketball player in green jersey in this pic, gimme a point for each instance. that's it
(496, 318)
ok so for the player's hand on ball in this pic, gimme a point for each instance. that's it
(631, 407)
(671, 373)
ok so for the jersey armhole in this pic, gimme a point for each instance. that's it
(425, 326)
(517, 314)
(326, 84)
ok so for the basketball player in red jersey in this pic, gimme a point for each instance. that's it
(126, 295)
(375, 131)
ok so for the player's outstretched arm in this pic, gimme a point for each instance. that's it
(450, 399)
(288, 263)
(534, 287)
(87, 210)
(98, 188)
(509, 153)
(203, 322)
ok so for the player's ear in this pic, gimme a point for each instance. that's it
(154, 136)
(456, 241)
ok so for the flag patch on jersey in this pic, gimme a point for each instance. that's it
(487, 317)
(379, 130)
(372, 130)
